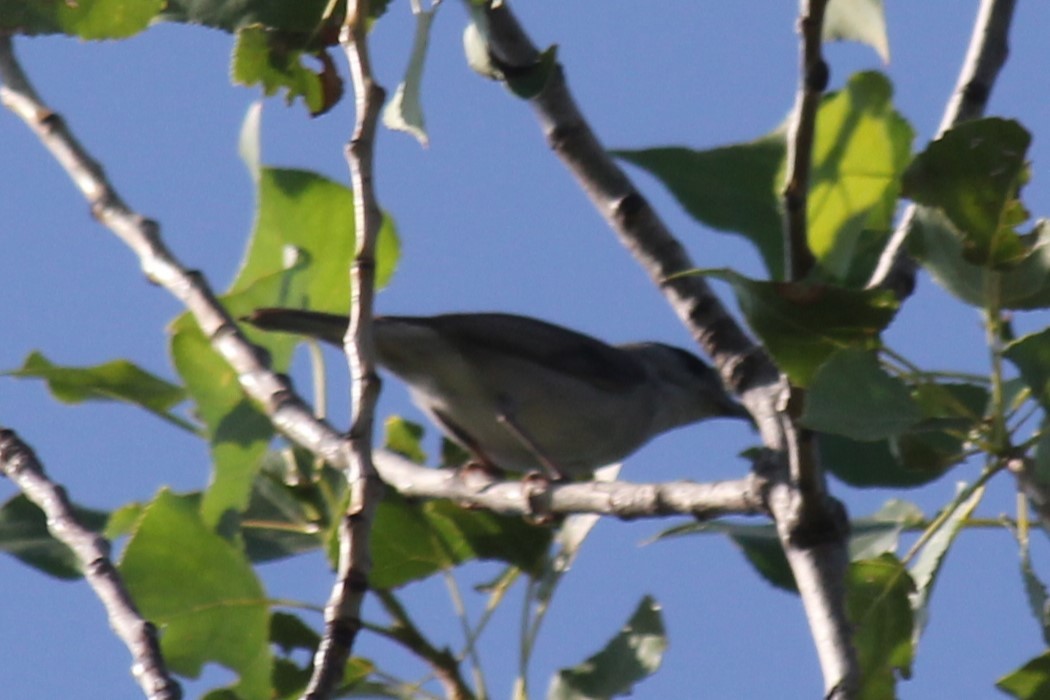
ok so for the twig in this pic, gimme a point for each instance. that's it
(985, 57)
(618, 498)
(19, 463)
(286, 410)
(441, 661)
(343, 611)
(813, 79)
(1024, 470)
(811, 524)
(744, 366)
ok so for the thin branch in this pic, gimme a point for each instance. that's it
(1030, 483)
(19, 463)
(343, 611)
(744, 366)
(813, 79)
(441, 661)
(617, 498)
(985, 57)
(811, 524)
(286, 410)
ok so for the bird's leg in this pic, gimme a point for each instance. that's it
(505, 418)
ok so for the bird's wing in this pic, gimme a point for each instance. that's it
(556, 348)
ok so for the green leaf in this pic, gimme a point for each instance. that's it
(880, 534)
(927, 565)
(24, 535)
(937, 244)
(238, 432)
(404, 111)
(852, 395)
(1031, 356)
(973, 174)
(411, 541)
(305, 17)
(877, 604)
(118, 380)
(919, 455)
(873, 464)
(404, 437)
(732, 188)
(803, 324)
(861, 147)
(201, 591)
(1035, 591)
(299, 255)
(760, 544)
(266, 58)
(634, 654)
(858, 20)
(86, 19)
(305, 225)
(1030, 682)
(291, 507)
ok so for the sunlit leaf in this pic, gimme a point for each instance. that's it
(631, 656)
(404, 437)
(305, 224)
(265, 59)
(858, 20)
(861, 147)
(202, 592)
(85, 19)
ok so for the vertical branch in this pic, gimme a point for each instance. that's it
(985, 57)
(343, 611)
(798, 258)
(811, 524)
(19, 464)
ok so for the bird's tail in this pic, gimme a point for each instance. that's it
(327, 327)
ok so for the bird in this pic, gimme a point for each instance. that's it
(524, 395)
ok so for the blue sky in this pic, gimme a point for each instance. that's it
(489, 220)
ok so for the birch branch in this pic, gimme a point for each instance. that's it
(812, 525)
(287, 411)
(20, 464)
(985, 57)
(343, 611)
(813, 79)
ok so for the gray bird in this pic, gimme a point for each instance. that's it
(525, 395)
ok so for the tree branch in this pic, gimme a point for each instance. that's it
(810, 522)
(404, 632)
(343, 611)
(985, 57)
(618, 498)
(19, 463)
(813, 79)
(286, 410)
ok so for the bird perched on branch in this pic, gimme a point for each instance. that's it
(525, 395)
